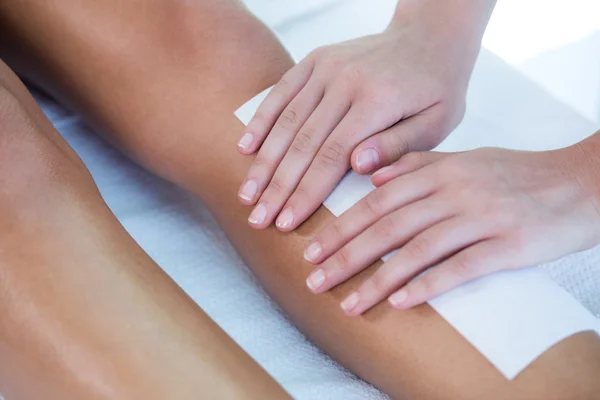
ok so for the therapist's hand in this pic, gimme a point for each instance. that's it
(362, 103)
(459, 216)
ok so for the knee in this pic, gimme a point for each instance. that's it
(231, 47)
(248, 47)
(35, 164)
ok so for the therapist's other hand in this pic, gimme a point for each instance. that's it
(457, 217)
(362, 103)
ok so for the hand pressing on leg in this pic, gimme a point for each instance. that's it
(360, 104)
(457, 217)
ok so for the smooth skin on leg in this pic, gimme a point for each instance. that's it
(162, 80)
(84, 312)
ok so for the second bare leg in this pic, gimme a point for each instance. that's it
(84, 312)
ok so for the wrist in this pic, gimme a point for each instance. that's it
(449, 31)
(457, 20)
(586, 158)
(583, 160)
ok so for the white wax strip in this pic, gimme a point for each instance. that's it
(511, 317)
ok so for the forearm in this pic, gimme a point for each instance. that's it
(84, 312)
(183, 128)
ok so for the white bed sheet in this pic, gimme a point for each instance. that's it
(179, 234)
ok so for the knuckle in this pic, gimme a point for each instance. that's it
(288, 117)
(380, 282)
(332, 62)
(397, 146)
(318, 53)
(283, 84)
(351, 74)
(337, 231)
(463, 267)
(374, 202)
(385, 227)
(300, 197)
(419, 248)
(302, 142)
(340, 260)
(258, 117)
(333, 154)
(301, 192)
(375, 93)
(261, 161)
(425, 285)
(275, 186)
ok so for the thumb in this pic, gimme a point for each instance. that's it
(406, 164)
(416, 133)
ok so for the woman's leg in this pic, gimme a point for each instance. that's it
(84, 312)
(163, 78)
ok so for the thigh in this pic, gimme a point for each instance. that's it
(84, 312)
(170, 106)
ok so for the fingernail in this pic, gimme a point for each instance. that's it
(313, 252)
(285, 219)
(367, 160)
(351, 302)
(316, 280)
(398, 298)
(248, 190)
(258, 215)
(383, 170)
(246, 141)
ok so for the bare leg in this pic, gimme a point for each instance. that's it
(84, 312)
(166, 96)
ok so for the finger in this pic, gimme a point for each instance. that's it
(474, 262)
(389, 233)
(423, 251)
(326, 170)
(271, 107)
(299, 155)
(406, 164)
(278, 141)
(417, 133)
(380, 202)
